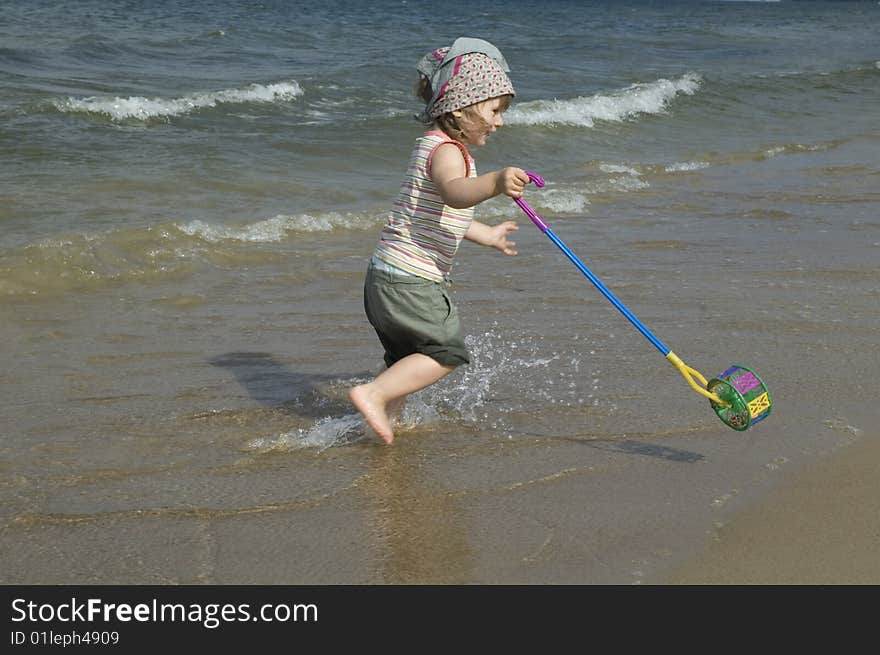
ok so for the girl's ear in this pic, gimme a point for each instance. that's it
(457, 113)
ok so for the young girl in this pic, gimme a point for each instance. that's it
(466, 91)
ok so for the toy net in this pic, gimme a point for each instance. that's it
(746, 398)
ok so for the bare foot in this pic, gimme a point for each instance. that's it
(372, 411)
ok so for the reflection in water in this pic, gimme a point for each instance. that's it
(419, 525)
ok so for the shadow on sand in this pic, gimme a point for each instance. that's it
(632, 447)
(272, 383)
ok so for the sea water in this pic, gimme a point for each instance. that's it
(190, 192)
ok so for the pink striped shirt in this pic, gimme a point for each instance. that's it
(423, 234)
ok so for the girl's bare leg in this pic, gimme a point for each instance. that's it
(384, 395)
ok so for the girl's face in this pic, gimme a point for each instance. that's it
(483, 118)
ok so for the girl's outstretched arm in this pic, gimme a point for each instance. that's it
(494, 236)
(448, 171)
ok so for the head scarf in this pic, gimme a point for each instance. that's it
(468, 72)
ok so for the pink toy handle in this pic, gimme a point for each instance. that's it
(534, 177)
(537, 220)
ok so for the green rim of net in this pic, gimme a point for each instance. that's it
(737, 415)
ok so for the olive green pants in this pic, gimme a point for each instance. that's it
(413, 315)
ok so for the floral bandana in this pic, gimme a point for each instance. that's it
(468, 72)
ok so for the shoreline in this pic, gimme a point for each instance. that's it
(820, 526)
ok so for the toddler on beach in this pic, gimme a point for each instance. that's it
(466, 90)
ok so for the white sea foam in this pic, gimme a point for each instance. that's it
(564, 201)
(794, 148)
(624, 178)
(628, 183)
(686, 166)
(618, 168)
(552, 201)
(141, 108)
(641, 98)
(275, 229)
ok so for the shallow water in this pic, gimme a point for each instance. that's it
(182, 257)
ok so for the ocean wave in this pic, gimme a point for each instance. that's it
(795, 148)
(570, 200)
(622, 178)
(618, 168)
(122, 255)
(640, 98)
(144, 109)
(564, 201)
(276, 229)
(574, 198)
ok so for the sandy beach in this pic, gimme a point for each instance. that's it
(821, 526)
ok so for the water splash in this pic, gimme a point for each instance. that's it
(325, 433)
(506, 377)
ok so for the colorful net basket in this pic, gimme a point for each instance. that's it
(747, 397)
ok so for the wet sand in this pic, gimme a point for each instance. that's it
(820, 526)
(589, 511)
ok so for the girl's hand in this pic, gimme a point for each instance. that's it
(499, 240)
(511, 182)
(494, 236)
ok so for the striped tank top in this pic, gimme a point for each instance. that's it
(423, 234)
